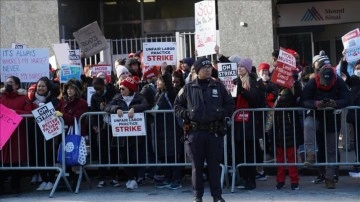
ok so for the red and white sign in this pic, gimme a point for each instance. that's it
(227, 73)
(285, 66)
(106, 69)
(205, 27)
(47, 120)
(351, 42)
(159, 52)
(124, 126)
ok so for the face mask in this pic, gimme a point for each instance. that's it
(9, 88)
(357, 72)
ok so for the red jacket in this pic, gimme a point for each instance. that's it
(73, 109)
(19, 102)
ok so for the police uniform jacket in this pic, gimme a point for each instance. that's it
(204, 106)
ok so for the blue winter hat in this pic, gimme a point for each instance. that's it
(188, 61)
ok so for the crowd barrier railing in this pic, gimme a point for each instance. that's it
(161, 147)
(259, 133)
(27, 149)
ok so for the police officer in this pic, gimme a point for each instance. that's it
(204, 103)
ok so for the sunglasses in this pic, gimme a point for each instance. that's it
(122, 88)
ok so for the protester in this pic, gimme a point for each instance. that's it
(129, 100)
(248, 149)
(15, 150)
(288, 135)
(167, 139)
(327, 90)
(353, 115)
(44, 95)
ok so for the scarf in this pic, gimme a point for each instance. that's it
(128, 99)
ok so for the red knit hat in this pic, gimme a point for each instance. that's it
(129, 83)
(262, 66)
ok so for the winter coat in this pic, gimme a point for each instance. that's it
(73, 109)
(96, 100)
(138, 103)
(339, 92)
(287, 123)
(165, 128)
(354, 83)
(19, 102)
(245, 122)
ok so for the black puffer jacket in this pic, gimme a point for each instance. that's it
(339, 92)
(287, 123)
(254, 121)
(354, 83)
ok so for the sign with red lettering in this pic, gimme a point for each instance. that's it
(351, 42)
(227, 73)
(158, 52)
(47, 120)
(106, 69)
(28, 64)
(285, 67)
(124, 126)
(205, 27)
(9, 121)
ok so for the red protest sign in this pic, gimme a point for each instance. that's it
(285, 67)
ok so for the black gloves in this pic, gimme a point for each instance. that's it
(238, 82)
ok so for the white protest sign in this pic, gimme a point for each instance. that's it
(74, 57)
(68, 72)
(227, 73)
(18, 46)
(61, 51)
(96, 69)
(158, 52)
(27, 64)
(90, 92)
(47, 120)
(351, 42)
(123, 126)
(91, 39)
(205, 27)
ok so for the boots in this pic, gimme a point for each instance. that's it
(310, 159)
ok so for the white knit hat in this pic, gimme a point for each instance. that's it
(120, 69)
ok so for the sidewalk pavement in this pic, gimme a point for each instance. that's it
(347, 189)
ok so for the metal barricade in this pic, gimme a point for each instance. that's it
(27, 149)
(278, 129)
(160, 147)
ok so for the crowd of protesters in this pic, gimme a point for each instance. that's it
(130, 90)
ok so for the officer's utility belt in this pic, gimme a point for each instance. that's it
(211, 127)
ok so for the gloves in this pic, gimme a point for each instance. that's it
(320, 104)
(58, 113)
(238, 82)
(331, 103)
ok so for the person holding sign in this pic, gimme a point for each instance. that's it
(204, 103)
(43, 94)
(249, 95)
(129, 100)
(14, 151)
